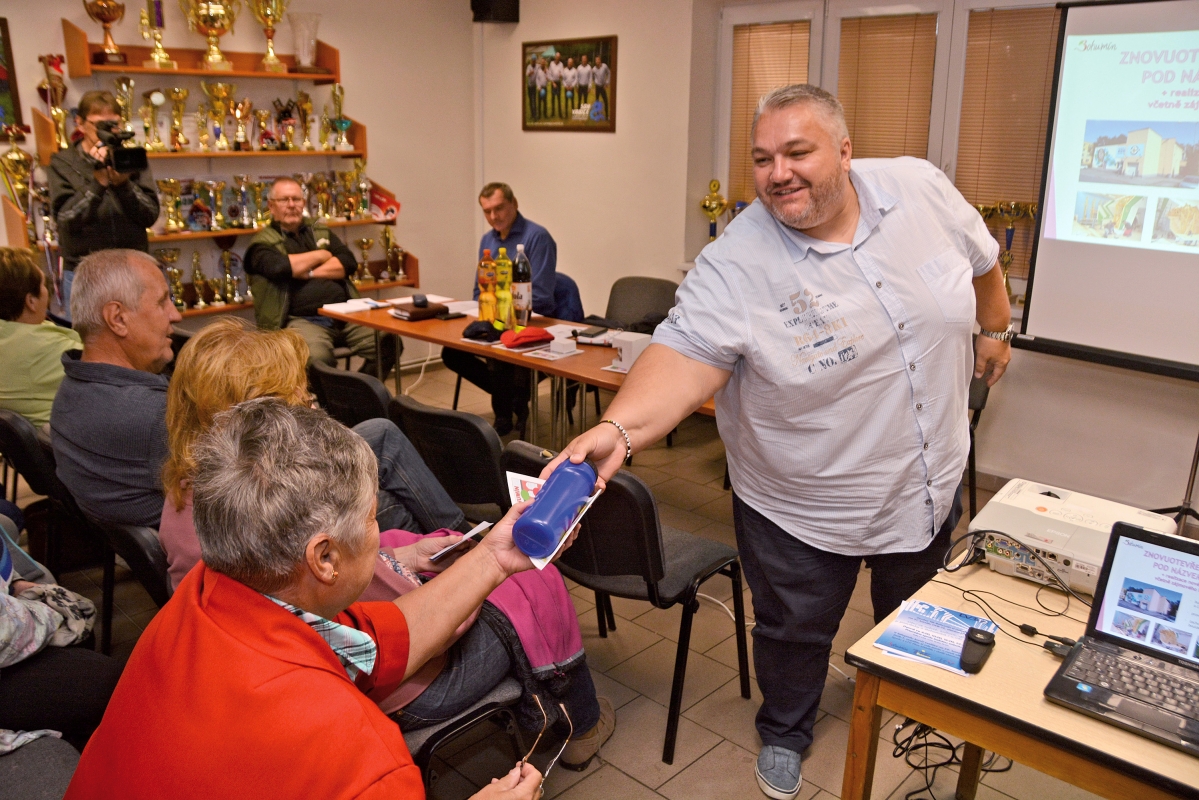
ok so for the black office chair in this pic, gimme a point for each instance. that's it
(622, 550)
(423, 743)
(349, 397)
(143, 553)
(631, 298)
(978, 401)
(461, 450)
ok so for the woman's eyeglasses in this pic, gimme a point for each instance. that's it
(545, 721)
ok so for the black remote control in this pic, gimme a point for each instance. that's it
(976, 649)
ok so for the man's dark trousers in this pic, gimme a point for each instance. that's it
(800, 594)
(507, 383)
(555, 99)
(533, 102)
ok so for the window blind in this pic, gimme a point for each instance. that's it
(885, 83)
(765, 57)
(1005, 115)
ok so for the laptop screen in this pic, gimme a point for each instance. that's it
(1148, 595)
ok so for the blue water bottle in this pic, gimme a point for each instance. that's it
(566, 490)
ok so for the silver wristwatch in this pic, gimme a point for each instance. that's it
(1003, 336)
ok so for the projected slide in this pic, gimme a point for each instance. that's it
(1125, 169)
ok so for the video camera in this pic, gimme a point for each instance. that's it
(121, 158)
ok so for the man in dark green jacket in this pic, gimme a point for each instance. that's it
(295, 267)
(96, 207)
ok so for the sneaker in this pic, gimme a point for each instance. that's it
(578, 754)
(503, 427)
(778, 772)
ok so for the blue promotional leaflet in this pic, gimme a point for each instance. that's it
(930, 634)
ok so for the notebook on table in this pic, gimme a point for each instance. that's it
(1137, 667)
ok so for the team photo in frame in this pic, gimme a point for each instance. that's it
(569, 84)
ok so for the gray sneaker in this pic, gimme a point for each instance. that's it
(778, 772)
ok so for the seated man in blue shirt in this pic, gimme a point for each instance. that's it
(507, 384)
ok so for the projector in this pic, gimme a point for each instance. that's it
(1068, 530)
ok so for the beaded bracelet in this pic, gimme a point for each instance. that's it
(628, 443)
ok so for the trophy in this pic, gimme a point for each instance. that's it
(212, 18)
(285, 115)
(393, 255)
(713, 205)
(304, 112)
(320, 191)
(178, 103)
(363, 273)
(172, 192)
(151, 100)
(364, 188)
(219, 94)
(262, 216)
(231, 285)
(326, 129)
(198, 281)
(268, 13)
(349, 202)
(17, 167)
(202, 136)
(303, 28)
(266, 139)
(124, 98)
(216, 284)
(340, 122)
(216, 191)
(304, 178)
(159, 58)
(245, 219)
(241, 114)
(106, 12)
(54, 91)
(167, 257)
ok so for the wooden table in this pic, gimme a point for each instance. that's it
(585, 368)
(1002, 708)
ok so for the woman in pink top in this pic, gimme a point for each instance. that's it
(528, 628)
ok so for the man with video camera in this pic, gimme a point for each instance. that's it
(100, 202)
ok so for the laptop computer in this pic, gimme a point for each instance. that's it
(1137, 667)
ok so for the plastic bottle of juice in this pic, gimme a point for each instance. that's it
(538, 530)
(503, 290)
(522, 288)
(486, 288)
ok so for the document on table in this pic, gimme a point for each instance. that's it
(930, 634)
(522, 488)
(468, 307)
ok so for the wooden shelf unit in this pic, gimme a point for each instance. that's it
(79, 52)
(184, 236)
(153, 156)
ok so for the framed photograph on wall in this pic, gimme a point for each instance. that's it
(10, 104)
(569, 84)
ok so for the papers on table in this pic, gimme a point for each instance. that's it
(357, 304)
(522, 488)
(548, 355)
(433, 298)
(930, 634)
(468, 307)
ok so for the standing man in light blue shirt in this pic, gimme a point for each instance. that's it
(531, 86)
(601, 76)
(584, 77)
(554, 72)
(832, 321)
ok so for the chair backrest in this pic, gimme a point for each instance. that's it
(978, 394)
(461, 450)
(180, 337)
(568, 303)
(32, 461)
(620, 534)
(350, 397)
(633, 297)
(143, 553)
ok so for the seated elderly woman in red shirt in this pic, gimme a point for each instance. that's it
(260, 677)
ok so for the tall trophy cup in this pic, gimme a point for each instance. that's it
(178, 97)
(303, 28)
(713, 205)
(268, 13)
(245, 218)
(261, 216)
(17, 168)
(172, 192)
(220, 95)
(393, 257)
(266, 139)
(363, 273)
(167, 257)
(216, 190)
(340, 122)
(304, 179)
(304, 113)
(213, 19)
(199, 282)
(325, 131)
(151, 30)
(54, 91)
(231, 285)
(152, 100)
(216, 284)
(124, 98)
(320, 190)
(106, 12)
(241, 115)
(203, 137)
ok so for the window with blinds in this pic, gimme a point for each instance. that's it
(885, 83)
(765, 57)
(1005, 115)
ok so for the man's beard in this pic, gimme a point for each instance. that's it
(824, 199)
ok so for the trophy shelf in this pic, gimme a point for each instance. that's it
(79, 53)
(257, 153)
(183, 236)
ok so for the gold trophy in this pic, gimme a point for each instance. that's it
(178, 97)
(232, 294)
(363, 273)
(17, 166)
(172, 192)
(393, 255)
(152, 99)
(320, 191)
(304, 112)
(304, 179)
(202, 136)
(54, 91)
(263, 115)
(216, 284)
(167, 257)
(212, 18)
(326, 129)
(241, 115)
(220, 95)
(364, 188)
(124, 98)
(262, 216)
(713, 205)
(159, 58)
(216, 192)
(106, 12)
(198, 281)
(339, 121)
(349, 200)
(268, 13)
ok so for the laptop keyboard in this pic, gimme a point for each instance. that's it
(1157, 682)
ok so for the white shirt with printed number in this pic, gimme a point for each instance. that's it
(845, 416)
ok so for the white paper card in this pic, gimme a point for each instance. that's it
(522, 488)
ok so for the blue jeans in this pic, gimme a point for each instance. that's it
(475, 665)
(410, 498)
(800, 594)
(68, 278)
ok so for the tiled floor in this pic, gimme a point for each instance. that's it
(717, 742)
